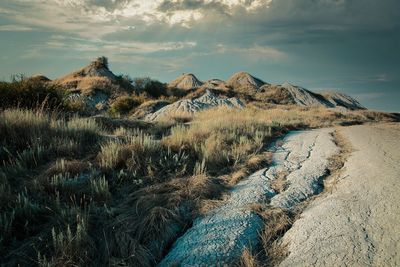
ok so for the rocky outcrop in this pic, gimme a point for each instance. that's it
(149, 107)
(291, 94)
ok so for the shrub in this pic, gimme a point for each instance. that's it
(125, 82)
(123, 105)
(31, 93)
(101, 62)
(153, 87)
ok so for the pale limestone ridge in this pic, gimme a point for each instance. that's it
(186, 81)
(189, 106)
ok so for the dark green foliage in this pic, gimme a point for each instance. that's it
(153, 87)
(125, 82)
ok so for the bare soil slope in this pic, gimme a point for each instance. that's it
(358, 224)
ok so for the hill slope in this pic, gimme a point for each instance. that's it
(94, 76)
(340, 99)
(291, 94)
(186, 82)
(304, 97)
(94, 85)
(243, 80)
(189, 106)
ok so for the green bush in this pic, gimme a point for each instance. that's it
(31, 93)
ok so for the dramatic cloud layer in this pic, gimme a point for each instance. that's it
(350, 45)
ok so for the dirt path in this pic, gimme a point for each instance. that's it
(220, 237)
(358, 224)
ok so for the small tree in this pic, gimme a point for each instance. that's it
(101, 62)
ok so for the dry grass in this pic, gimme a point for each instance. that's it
(247, 259)
(153, 217)
(276, 222)
(280, 184)
(294, 116)
(336, 162)
(138, 185)
(221, 142)
(63, 166)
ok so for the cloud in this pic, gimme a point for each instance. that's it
(15, 28)
(110, 48)
(368, 96)
(99, 18)
(319, 41)
(73, 15)
(253, 53)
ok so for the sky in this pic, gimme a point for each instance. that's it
(351, 46)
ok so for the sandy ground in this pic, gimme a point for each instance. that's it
(358, 224)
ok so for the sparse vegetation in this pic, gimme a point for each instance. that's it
(152, 87)
(276, 222)
(73, 188)
(123, 105)
(31, 93)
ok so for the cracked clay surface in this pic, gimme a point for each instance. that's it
(219, 237)
(359, 223)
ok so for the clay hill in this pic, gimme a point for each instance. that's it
(190, 106)
(96, 86)
(241, 81)
(94, 76)
(185, 81)
(245, 84)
